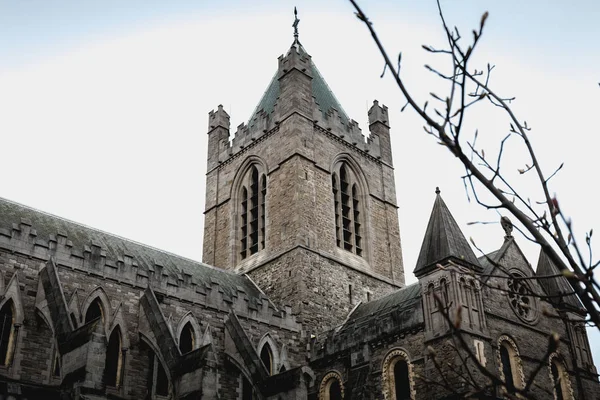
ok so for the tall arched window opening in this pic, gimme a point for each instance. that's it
(397, 381)
(7, 332)
(331, 387)
(507, 370)
(114, 359)
(252, 213)
(94, 311)
(347, 203)
(560, 379)
(401, 381)
(266, 356)
(335, 390)
(158, 382)
(247, 391)
(186, 339)
(557, 379)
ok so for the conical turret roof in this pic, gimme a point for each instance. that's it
(557, 287)
(443, 240)
(323, 95)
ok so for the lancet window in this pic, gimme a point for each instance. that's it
(348, 206)
(252, 212)
(266, 356)
(7, 333)
(114, 359)
(186, 339)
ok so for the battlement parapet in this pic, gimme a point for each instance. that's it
(206, 285)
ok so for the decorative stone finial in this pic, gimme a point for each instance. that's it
(295, 25)
(437, 190)
(507, 226)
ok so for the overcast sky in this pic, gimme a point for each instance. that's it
(104, 105)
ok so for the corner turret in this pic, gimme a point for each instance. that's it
(379, 126)
(218, 137)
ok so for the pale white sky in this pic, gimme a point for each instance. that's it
(104, 105)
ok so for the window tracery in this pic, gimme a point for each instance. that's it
(520, 299)
(348, 207)
(253, 193)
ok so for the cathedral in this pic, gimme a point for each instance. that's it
(301, 290)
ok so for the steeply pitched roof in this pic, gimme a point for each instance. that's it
(48, 225)
(557, 286)
(443, 240)
(320, 90)
(406, 298)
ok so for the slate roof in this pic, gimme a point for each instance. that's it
(443, 240)
(409, 297)
(320, 90)
(48, 225)
(556, 286)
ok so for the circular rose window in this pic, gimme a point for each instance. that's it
(519, 296)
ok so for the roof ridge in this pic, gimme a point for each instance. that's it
(111, 234)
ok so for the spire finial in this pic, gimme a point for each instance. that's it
(437, 190)
(295, 25)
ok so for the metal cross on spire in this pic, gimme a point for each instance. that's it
(295, 25)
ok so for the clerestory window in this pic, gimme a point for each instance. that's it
(113, 366)
(252, 212)
(347, 202)
(7, 333)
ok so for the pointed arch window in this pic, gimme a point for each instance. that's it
(266, 356)
(247, 391)
(7, 332)
(56, 366)
(252, 212)
(114, 359)
(186, 339)
(158, 381)
(94, 311)
(347, 201)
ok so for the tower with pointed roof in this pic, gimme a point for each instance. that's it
(445, 269)
(300, 200)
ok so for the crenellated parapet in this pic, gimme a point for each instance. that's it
(138, 266)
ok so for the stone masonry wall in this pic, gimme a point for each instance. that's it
(322, 291)
(35, 347)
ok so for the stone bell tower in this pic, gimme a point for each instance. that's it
(301, 201)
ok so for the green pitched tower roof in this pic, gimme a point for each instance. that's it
(321, 92)
(443, 241)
